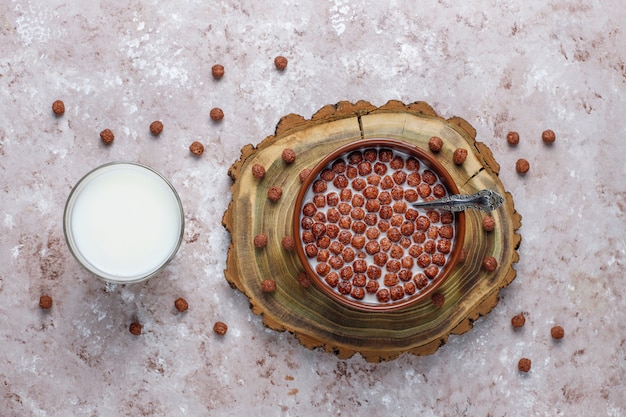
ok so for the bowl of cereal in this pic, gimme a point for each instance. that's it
(358, 235)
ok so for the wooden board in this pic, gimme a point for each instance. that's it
(318, 321)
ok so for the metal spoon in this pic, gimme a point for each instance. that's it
(485, 200)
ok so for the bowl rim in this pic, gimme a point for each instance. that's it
(424, 157)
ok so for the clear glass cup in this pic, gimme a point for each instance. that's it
(124, 222)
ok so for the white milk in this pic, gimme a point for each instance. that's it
(124, 222)
(371, 298)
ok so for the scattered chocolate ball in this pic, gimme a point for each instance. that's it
(288, 243)
(274, 194)
(557, 332)
(459, 156)
(268, 285)
(220, 328)
(490, 264)
(280, 62)
(258, 171)
(435, 144)
(216, 114)
(289, 156)
(107, 136)
(524, 365)
(181, 304)
(58, 107)
(196, 148)
(217, 71)
(135, 328)
(522, 166)
(45, 302)
(489, 223)
(438, 299)
(260, 241)
(156, 127)
(548, 137)
(304, 174)
(304, 280)
(518, 320)
(512, 138)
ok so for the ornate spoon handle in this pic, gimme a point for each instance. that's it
(485, 200)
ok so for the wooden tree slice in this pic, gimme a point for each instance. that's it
(318, 321)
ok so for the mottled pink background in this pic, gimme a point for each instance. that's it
(515, 65)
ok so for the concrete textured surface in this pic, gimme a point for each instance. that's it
(503, 66)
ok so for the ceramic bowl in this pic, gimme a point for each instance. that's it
(358, 236)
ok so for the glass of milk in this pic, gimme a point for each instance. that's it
(123, 222)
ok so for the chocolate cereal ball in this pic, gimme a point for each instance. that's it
(280, 62)
(489, 223)
(45, 302)
(217, 71)
(196, 148)
(288, 243)
(274, 193)
(524, 365)
(289, 156)
(518, 321)
(557, 332)
(107, 136)
(459, 156)
(512, 138)
(435, 144)
(304, 280)
(181, 304)
(260, 241)
(156, 127)
(304, 174)
(216, 114)
(220, 328)
(522, 166)
(490, 264)
(548, 137)
(58, 107)
(135, 328)
(268, 285)
(438, 299)
(258, 171)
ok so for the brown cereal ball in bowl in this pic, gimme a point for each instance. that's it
(371, 250)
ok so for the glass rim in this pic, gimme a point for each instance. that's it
(69, 239)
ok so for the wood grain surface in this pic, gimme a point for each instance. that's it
(318, 321)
